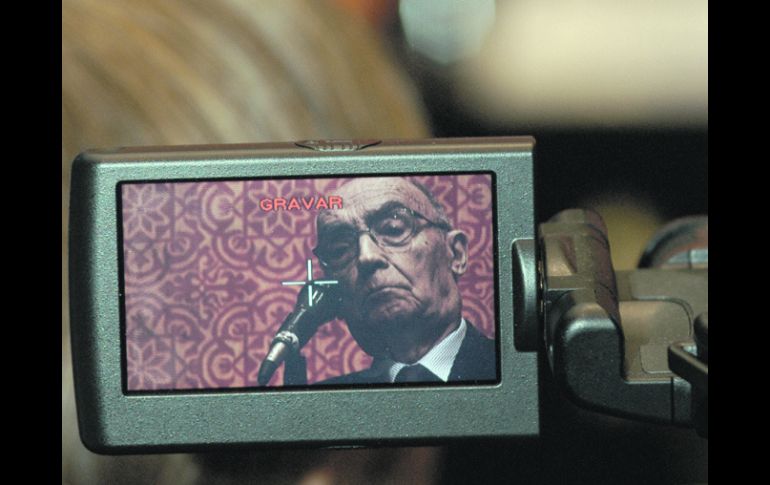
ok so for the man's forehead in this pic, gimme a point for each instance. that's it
(366, 195)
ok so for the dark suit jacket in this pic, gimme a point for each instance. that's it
(475, 361)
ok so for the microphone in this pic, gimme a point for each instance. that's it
(316, 304)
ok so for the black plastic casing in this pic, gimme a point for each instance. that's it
(113, 421)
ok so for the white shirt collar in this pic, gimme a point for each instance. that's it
(438, 360)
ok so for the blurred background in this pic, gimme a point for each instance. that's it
(616, 94)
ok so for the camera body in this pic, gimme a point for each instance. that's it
(185, 261)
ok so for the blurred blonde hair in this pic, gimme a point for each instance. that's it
(150, 72)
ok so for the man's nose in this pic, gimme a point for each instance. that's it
(369, 252)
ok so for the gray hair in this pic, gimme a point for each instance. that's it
(442, 217)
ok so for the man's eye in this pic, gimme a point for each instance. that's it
(337, 250)
(392, 226)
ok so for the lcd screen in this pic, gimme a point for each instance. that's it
(211, 269)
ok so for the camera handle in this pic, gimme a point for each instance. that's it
(628, 343)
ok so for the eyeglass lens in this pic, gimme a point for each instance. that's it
(393, 229)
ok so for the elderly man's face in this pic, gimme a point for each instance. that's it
(399, 278)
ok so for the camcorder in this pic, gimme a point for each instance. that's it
(337, 293)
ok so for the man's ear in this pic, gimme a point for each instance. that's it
(457, 243)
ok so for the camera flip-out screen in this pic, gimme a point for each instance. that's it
(212, 268)
(317, 293)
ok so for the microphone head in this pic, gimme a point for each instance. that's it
(320, 301)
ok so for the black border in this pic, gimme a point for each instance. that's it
(309, 387)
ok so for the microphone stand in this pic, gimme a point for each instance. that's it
(295, 370)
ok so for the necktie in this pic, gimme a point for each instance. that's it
(416, 373)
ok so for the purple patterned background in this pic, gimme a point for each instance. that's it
(203, 267)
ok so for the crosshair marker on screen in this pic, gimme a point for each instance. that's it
(311, 281)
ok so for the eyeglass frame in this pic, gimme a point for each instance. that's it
(368, 230)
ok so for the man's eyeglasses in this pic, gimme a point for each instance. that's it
(337, 248)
